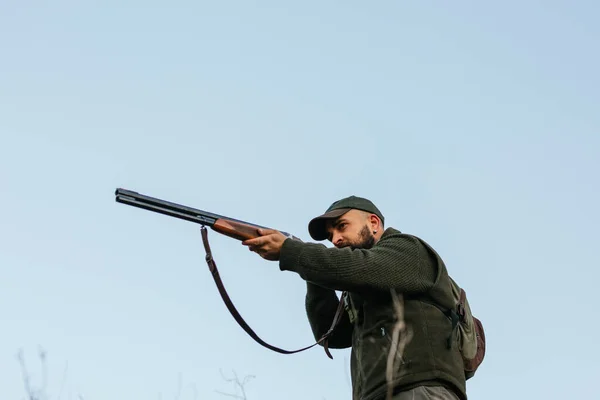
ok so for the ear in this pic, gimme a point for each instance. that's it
(374, 222)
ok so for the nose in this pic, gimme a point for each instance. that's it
(336, 240)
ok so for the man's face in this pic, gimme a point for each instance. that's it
(353, 229)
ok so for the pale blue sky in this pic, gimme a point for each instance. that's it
(475, 126)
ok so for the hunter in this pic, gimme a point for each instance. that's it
(392, 286)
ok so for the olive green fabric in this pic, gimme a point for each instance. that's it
(316, 227)
(398, 263)
(426, 393)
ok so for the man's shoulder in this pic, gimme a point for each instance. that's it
(392, 232)
(395, 238)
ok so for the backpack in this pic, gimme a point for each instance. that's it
(467, 332)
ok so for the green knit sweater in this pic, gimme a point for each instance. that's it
(396, 262)
(399, 262)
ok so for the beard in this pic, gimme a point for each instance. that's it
(365, 240)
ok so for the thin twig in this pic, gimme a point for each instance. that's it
(26, 382)
(42, 354)
(401, 335)
(236, 380)
(62, 385)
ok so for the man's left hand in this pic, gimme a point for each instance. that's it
(267, 245)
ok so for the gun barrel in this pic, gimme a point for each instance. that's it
(136, 199)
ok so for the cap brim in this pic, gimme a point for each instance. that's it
(316, 227)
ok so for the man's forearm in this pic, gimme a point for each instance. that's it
(397, 262)
(321, 305)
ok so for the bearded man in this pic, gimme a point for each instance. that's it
(393, 286)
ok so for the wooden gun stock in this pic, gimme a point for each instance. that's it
(237, 230)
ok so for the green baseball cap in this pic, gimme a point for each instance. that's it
(316, 227)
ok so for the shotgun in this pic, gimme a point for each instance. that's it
(231, 227)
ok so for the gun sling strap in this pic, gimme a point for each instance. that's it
(212, 266)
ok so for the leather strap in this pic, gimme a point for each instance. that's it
(212, 266)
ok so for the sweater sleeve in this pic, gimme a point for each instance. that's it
(321, 305)
(397, 262)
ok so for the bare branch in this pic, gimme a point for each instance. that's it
(401, 335)
(239, 385)
(26, 382)
(247, 379)
(42, 355)
(62, 385)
